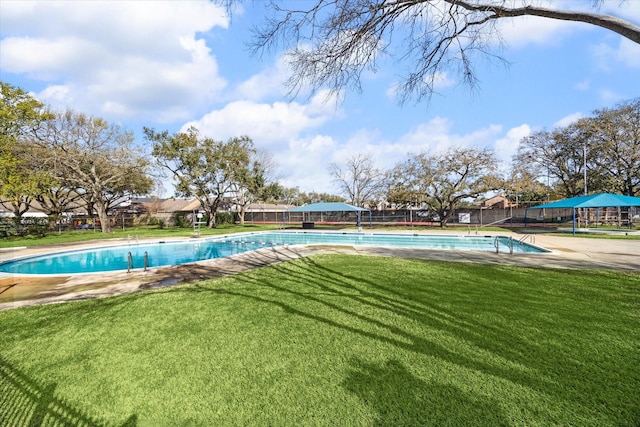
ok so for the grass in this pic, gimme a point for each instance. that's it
(335, 340)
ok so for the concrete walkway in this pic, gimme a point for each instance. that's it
(567, 252)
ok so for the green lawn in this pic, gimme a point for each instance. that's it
(335, 340)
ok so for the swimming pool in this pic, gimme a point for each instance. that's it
(136, 256)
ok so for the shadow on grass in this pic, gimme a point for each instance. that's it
(348, 301)
(399, 398)
(27, 402)
(323, 284)
(360, 302)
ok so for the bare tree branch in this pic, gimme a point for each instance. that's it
(332, 43)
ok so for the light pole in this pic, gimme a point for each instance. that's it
(584, 154)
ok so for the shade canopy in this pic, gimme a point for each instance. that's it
(328, 207)
(602, 200)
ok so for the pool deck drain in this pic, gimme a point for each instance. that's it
(567, 252)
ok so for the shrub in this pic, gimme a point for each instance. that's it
(181, 220)
(225, 218)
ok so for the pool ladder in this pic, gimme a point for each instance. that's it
(130, 262)
(496, 243)
(531, 238)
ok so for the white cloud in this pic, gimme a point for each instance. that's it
(569, 119)
(291, 131)
(506, 147)
(367, 141)
(609, 97)
(441, 80)
(522, 31)
(269, 82)
(436, 136)
(305, 164)
(303, 151)
(628, 53)
(629, 10)
(129, 59)
(583, 85)
(608, 56)
(269, 125)
(57, 95)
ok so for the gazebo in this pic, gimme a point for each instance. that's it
(601, 200)
(328, 207)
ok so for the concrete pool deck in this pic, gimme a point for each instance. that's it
(567, 252)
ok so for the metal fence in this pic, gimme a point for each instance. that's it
(477, 216)
(620, 217)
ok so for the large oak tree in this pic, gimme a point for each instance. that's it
(204, 168)
(614, 137)
(19, 181)
(443, 181)
(98, 159)
(603, 148)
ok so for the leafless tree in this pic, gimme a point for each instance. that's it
(330, 43)
(358, 179)
(256, 181)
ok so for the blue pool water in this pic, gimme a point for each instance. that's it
(115, 258)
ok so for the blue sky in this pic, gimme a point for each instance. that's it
(172, 64)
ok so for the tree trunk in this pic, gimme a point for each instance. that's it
(617, 25)
(54, 218)
(101, 210)
(241, 214)
(19, 208)
(211, 211)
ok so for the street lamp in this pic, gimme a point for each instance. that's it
(584, 154)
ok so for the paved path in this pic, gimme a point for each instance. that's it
(567, 252)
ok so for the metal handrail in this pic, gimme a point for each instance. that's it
(495, 222)
(146, 260)
(531, 238)
(129, 262)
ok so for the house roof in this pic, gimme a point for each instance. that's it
(270, 207)
(179, 205)
(327, 207)
(601, 200)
